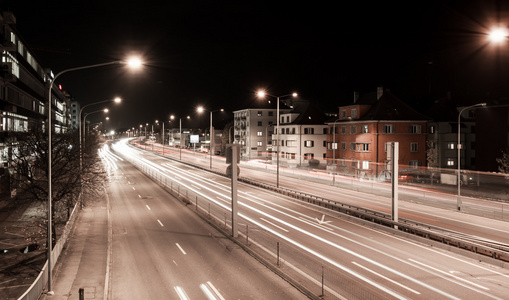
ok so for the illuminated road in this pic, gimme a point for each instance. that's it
(357, 261)
(428, 207)
(162, 250)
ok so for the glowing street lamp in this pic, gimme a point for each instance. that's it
(200, 109)
(498, 35)
(262, 94)
(132, 63)
(180, 133)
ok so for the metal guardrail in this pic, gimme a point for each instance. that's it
(494, 251)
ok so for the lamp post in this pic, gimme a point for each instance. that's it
(116, 100)
(180, 133)
(84, 121)
(458, 201)
(134, 63)
(200, 109)
(262, 94)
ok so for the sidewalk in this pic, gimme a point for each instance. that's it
(83, 262)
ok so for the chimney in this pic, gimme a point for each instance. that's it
(379, 92)
(355, 97)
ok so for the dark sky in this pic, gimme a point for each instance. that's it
(217, 53)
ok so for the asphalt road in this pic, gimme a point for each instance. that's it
(359, 262)
(162, 250)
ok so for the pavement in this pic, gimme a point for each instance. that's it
(82, 264)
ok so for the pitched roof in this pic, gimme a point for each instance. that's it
(309, 113)
(389, 107)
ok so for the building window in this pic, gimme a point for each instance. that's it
(293, 130)
(309, 144)
(414, 163)
(451, 145)
(259, 144)
(343, 146)
(260, 114)
(450, 162)
(343, 114)
(287, 119)
(365, 129)
(414, 147)
(308, 156)
(432, 129)
(363, 147)
(354, 113)
(388, 129)
(352, 146)
(414, 129)
(291, 143)
(259, 133)
(353, 129)
(364, 165)
(271, 113)
(291, 155)
(260, 123)
(343, 129)
(309, 131)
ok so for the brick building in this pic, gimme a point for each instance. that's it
(358, 144)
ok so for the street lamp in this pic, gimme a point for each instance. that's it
(200, 109)
(498, 35)
(262, 94)
(116, 100)
(458, 201)
(85, 115)
(132, 63)
(180, 133)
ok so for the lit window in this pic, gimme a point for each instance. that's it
(260, 144)
(311, 144)
(451, 146)
(450, 161)
(365, 129)
(259, 133)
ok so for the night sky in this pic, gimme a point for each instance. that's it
(218, 53)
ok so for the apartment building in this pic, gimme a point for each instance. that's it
(253, 129)
(302, 137)
(24, 90)
(357, 141)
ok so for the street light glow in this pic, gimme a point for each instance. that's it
(134, 62)
(117, 100)
(498, 35)
(200, 109)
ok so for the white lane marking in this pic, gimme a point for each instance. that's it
(182, 250)
(453, 276)
(274, 225)
(181, 293)
(139, 196)
(315, 225)
(215, 290)
(210, 291)
(175, 262)
(134, 188)
(160, 223)
(148, 207)
(386, 278)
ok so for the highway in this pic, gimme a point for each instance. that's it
(352, 260)
(162, 250)
(417, 204)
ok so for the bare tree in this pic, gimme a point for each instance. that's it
(503, 163)
(29, 165)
